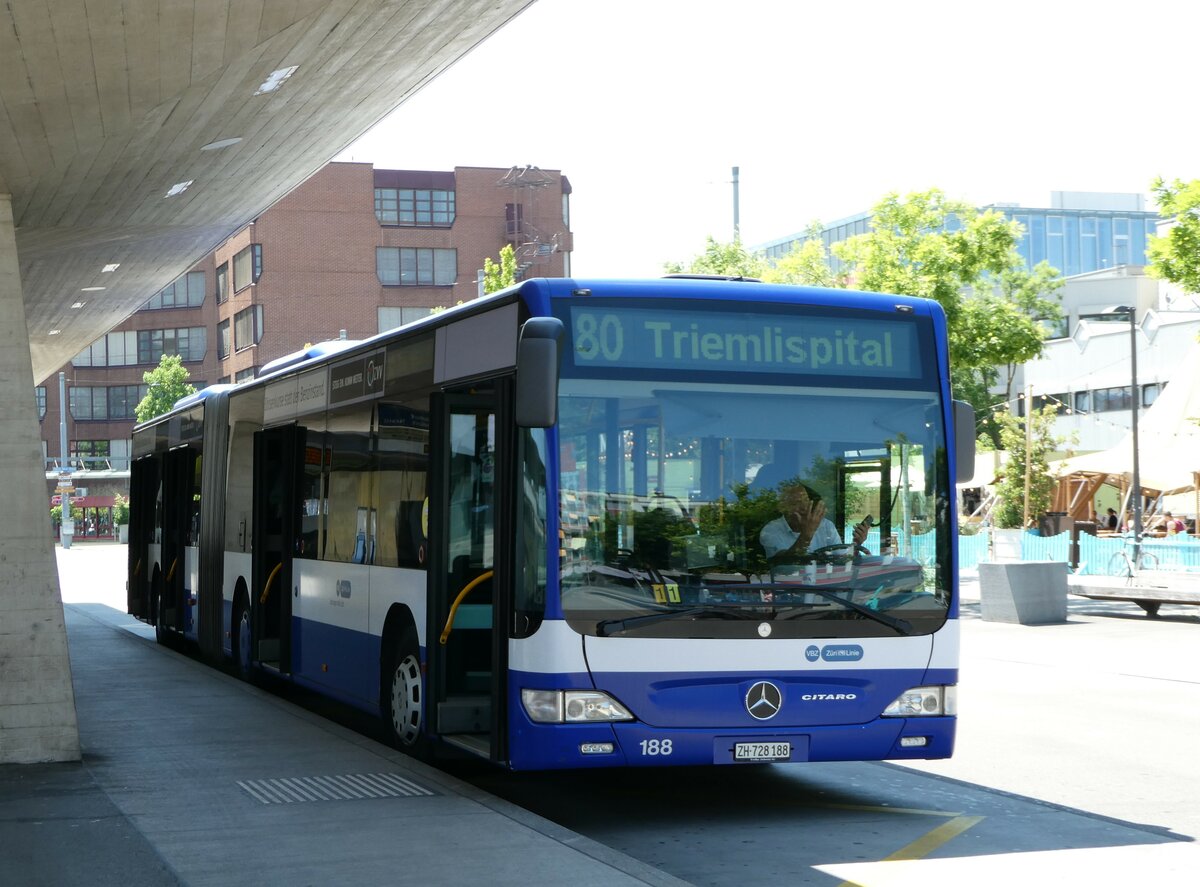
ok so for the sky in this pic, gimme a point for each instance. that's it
(825, 107)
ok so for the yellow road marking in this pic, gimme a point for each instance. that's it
(928, 842)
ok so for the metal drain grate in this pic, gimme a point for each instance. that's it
(333, 788)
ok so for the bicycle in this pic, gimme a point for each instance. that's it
(1121, 563)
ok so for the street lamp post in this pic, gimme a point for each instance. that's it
(1136, 402)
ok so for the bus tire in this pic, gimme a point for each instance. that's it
(404, 698)
(242, 664)
(161, 634)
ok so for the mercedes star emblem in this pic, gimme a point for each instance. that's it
(764, 701)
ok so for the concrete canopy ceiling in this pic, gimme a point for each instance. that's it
(106, 105)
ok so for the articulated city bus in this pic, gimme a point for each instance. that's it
(584, 524)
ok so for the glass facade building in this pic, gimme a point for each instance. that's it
(1101, 231)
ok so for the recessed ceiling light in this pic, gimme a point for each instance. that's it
(178, 188)
(93, 289)
(112, 266)
(78, 304)
(53, 332)
(219, 144)
(276, 79)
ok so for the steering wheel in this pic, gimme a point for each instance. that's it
(831, 553)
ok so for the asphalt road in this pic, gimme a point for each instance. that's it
(1076, 756)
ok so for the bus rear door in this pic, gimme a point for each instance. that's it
(278, 467)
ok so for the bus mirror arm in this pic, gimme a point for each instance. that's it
(537, 372)
(964, 441)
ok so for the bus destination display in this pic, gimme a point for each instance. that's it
(737, 341)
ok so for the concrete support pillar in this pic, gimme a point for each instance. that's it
(37, 700)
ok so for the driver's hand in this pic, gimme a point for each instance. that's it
(806, 514)
(861, 529)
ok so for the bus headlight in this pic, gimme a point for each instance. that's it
(572, 706)
(924, 702)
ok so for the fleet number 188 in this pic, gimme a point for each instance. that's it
(656, 747)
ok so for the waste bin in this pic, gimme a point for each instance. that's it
(1078, 528)
(1053, 522)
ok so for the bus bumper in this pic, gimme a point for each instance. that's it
(545, 746)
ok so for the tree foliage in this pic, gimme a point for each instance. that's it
(806, 264)
(496, 276)
(167, 383)
(724, 259)
(1010, 509)
(1176, 257)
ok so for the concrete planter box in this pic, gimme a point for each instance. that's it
(1028, 593)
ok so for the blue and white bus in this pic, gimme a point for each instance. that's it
(532, 526)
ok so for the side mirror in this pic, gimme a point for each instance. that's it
(537, 372)
(964, 441)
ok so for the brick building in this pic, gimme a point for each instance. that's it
(354, 248)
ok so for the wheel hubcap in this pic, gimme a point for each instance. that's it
(406, 700)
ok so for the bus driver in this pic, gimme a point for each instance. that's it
(802, 526)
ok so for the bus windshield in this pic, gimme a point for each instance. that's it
(735, 503)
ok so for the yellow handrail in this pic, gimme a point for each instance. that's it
(137, 568)
(482, 577)
(270, 579)
(171, 572)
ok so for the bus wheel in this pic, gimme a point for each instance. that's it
(404, 709)
(241, 641)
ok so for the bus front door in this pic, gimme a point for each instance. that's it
(278, 467)
(470, 573)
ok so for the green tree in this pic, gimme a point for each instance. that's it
(1010, 509)
(1176, 257)
(167, 382)
(724, 259)
(927, 245)
(807, 263)
(497, 276)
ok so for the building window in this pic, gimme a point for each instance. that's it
(1089, 245)
(1150, 393)
(39, 394)
(1121, 241)
(190, 343)
(223, 283)
(88, 403)
(123, 400)
(247, 327)
(186, 292)
(403, 266)
(223, 339)
(92, 453)
(247, 267)
(113, 402)
(423, 207)
(113, 350)
(244, 375)
(1082, 401)
(390, 318)
(1107, 400)
(1056, 253)
(118, 455)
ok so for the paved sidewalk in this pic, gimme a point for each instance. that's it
(191, 776)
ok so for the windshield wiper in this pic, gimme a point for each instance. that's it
(902, 626)
(610, 627)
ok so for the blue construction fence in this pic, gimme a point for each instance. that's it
(1098, 555)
